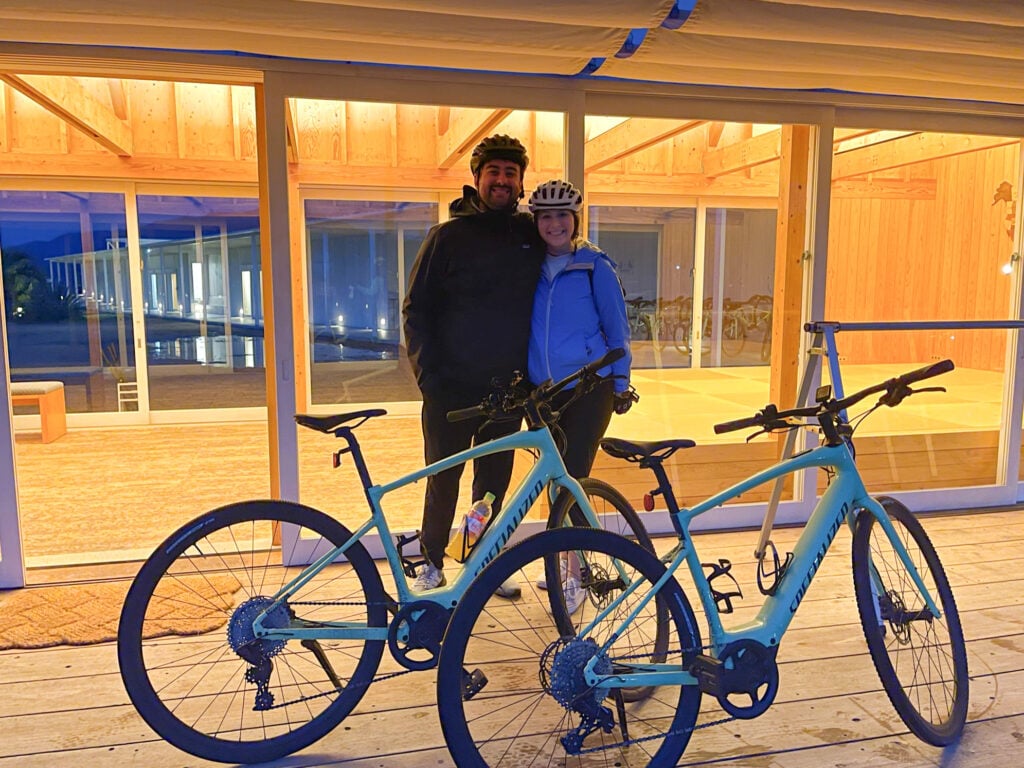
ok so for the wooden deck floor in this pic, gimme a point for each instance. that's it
(66, 706)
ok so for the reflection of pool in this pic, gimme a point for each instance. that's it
(349, 343)
(243, 351)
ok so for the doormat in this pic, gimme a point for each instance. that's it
(83, 614)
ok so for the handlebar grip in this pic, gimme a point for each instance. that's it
(462, 414)
(732, 426)
(927, 372)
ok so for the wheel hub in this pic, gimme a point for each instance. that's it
(566, 680)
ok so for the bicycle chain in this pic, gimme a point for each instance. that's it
(628, 742)
(602, 748)
(333, 692)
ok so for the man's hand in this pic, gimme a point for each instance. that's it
(624, 400)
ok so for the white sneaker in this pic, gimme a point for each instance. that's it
(429, 577)
(575, 595)
(563, 569)
(509, 589)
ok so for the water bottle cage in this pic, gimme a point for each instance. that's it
(722, 599)
(775, 574)
(409, 566)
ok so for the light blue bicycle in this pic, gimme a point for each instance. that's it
(558, 699)
(256, 628)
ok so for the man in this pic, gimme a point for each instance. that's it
(467, 321)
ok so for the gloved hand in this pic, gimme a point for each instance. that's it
(624, 400)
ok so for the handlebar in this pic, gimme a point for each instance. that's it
(508, 402)
(895, 390)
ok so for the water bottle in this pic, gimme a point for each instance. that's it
(470, 528)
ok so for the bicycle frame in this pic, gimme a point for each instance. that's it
(548, 471)
(845, 495)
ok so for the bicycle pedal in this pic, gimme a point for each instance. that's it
(472, 683)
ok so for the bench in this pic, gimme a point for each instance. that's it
(48, 396)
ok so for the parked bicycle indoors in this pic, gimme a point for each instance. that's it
(616, 691)
(298, 632)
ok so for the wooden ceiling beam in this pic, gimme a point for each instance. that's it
(463, 130)
(66, 98)
(631, 136)
(744, 154)
(916, 148)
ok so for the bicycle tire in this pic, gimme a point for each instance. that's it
(618, 517)
(516, 718)
(681, 338)
(921, 661)
(734, 334)
(194, 690)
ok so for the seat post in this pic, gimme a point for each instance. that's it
(665, 490)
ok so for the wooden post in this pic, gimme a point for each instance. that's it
(790, 242)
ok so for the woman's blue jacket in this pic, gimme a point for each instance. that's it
(577, 317)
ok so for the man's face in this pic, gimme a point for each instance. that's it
(499, 184)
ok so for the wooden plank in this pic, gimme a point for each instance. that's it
(464, 129)
(67, 99)
(685, 184)
(204, 121)
(631, 136)
(744, 154)
(911, 149)
(414, 135)
(153, 118)
(322, 131)
(885, 189)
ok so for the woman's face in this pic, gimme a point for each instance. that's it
(556, 228)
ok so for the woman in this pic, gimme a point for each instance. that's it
(579, 313)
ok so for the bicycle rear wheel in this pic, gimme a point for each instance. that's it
(618, 516)
(536, 708)
(188, 656)
(921, 659)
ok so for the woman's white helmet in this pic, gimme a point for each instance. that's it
(556, 195)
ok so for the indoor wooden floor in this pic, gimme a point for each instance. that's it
(101, 494)
(66, 706)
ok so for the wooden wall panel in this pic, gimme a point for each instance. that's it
(920, 259)
(892, 463)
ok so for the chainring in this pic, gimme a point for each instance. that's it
(418, 627)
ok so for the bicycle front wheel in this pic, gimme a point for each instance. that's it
(525, 700)
(921, 659)
(188, 654)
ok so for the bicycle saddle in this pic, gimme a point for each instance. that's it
(630, 450)
(328, 424)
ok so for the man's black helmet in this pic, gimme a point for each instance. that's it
(498, 147)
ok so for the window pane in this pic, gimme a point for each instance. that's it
(921, 228)
(687, 208)
(66, 292)
(356, 251)
(203, 304)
